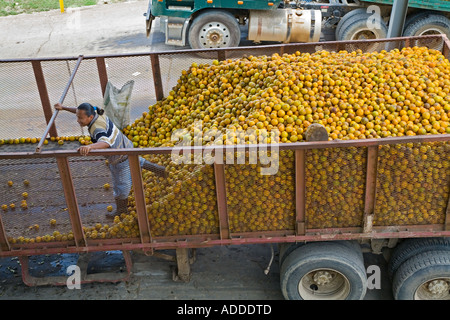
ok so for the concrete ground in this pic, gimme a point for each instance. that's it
(219, 273)
(103, 28)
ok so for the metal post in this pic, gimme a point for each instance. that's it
(102, 73)
(43, 94)
(371, 179)
(396, 22)
(4, 244)
(219, 173)
(136, 177)
(300, 191)
(447, 215)
(157, 77)
(397, 19)
(71, 200)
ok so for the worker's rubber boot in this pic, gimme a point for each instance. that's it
(160, 171)
(121, 207)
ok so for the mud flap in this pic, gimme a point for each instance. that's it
(148, 19)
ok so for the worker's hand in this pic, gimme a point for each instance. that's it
(84, 150)
(58, 106)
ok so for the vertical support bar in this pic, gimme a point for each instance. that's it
(102, 73)
(371, 179)
(221, 55)
(219, 173)
(4, 244)
(407, 42)
(397, 19)
(446, 46)
(315, 132)
(71, 200)
(447, 215)
(136, 177)
(157, 77)
(43, 94)
(300, 191)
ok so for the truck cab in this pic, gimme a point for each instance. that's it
(203, 24)
(216, 23)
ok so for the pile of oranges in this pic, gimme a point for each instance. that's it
(354, 95)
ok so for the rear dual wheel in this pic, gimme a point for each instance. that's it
(323, 271)
(425, 23)
(360, 25)
(420, 269)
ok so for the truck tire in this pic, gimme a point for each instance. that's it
(324, 271)
(347, 17)
(411, 247)
(356, 28)
(428, 25)
(410, 19)
(425, 276)
(214, 29)
(285, 249)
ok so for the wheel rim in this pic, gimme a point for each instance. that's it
(214, 35)
(364, 35)
(435, 44)
(324, 284)
(435, 289)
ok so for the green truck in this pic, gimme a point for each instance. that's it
(205, 24)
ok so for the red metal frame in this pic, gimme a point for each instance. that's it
(300, 232)
(82, 263)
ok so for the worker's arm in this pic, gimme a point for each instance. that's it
(59, 106)
(84, 150)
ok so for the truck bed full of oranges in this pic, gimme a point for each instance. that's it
(354, 95)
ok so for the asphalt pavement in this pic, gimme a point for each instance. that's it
(100, 29)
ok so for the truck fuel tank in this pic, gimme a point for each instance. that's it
(285, 25)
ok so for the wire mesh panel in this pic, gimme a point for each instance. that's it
(172, 66)
(94, 188)
(335, 184)
(33, 205)
(57, 74)
(137, 69)
(413, 184)
(257, 201)
(85, 87)
(184, 202)
(21, 117)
